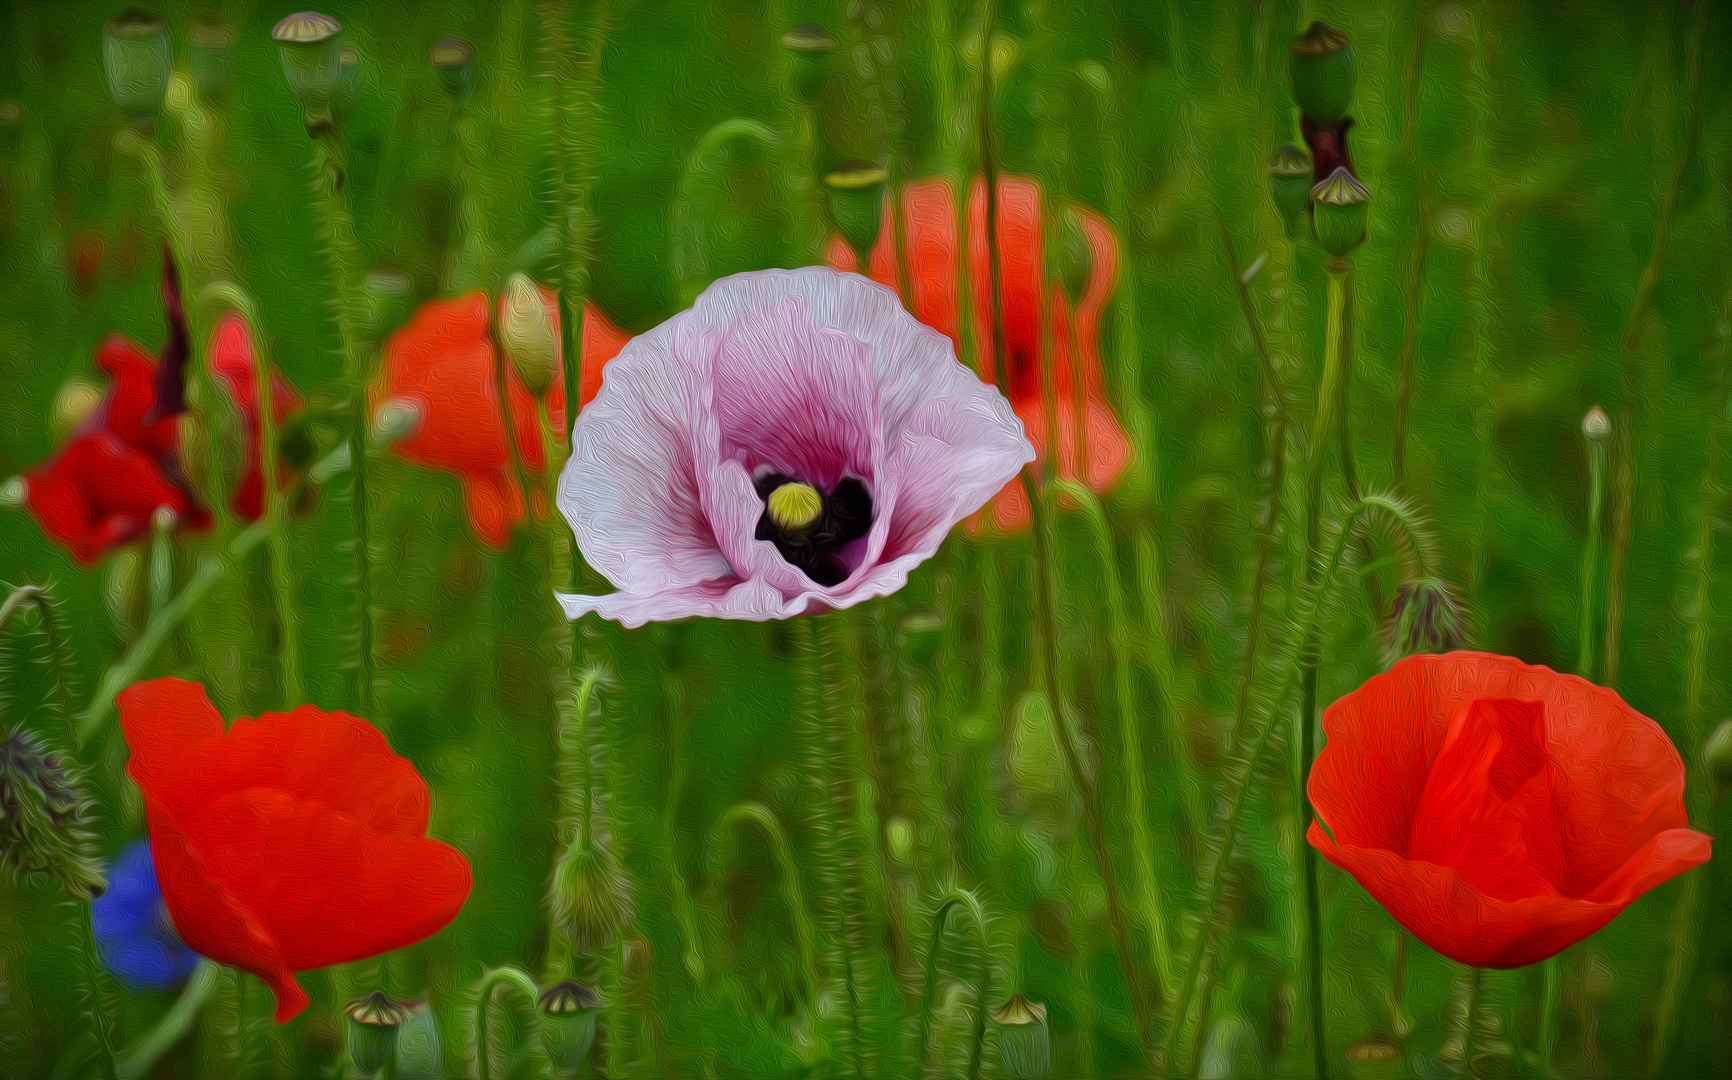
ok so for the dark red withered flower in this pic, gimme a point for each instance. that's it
(290, 842)
(446, 363)
(1500, 812)
(235, 364)
(1091, 444)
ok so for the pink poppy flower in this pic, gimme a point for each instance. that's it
(796, 441)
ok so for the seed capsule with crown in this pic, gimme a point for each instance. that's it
(135, 55)
(1024, 1048)
(1340, 208)
(1290, 184)
(373, 1024)
(1323, 73)
(856, 204)
(568, 1013)
(307, 41)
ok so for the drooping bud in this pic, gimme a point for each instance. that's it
(76, 400)
(1290, 185)
(307, 41)
(418, 1054)
(210, 47)
(373, 1025)
(1717, 758)
(856, 205)
(1024, 1048)
(135, 54)
(1425, 619)
(811, 48)
(587, 896)
(1323, 73)
(45, 818)
(453, 60)
(1340, 208)
(397, 418)
(568, 1014)
(794, 505)
(1597, 426)
(527, 334)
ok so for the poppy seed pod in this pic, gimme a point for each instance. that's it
(453, 59)
(568, 1013)
(1024, 1048)
(1340, 208)
(1290, 184)
(348, 77)
(418, 1054)
(210, 47)
(856, 198)
(1717, 758)
(1323, 73)
(373, 1024)
(307, 41)
(527, 334)
(812, 48)
(135, 54)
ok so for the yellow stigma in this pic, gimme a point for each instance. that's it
(794, 506)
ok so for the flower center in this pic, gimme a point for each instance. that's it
(810, 528)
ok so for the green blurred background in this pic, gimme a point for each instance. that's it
(1529, 146)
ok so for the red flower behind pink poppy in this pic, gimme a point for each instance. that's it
(445, 362)
(290, 842)
(1500, 812)
(235, 364)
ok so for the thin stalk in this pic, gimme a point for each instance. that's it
(782, 852)
(1412, 291)
(329, 161)
(495, 981)
(1551, 990)
(137, 1062)
(1470, 1036)
(685, 911)
(96, 991)
(1591, 558)
(966, 901)
(1700, 19)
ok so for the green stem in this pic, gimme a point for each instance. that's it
(1591, 558)
(329, 163)
(491, 984)
(97, 1002)
(685, 912)
(1411, 294)
(135, 1063)
(782, 852)
(1551, 990)
(966, 901)
(1470, 1036)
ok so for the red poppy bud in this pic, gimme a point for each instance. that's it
(1500, 812)
(291, 842)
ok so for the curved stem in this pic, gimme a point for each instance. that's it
(491, 984)
(756, 813)
(174, 1025)
(956, 898)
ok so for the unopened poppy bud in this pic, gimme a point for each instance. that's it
(856, 205)
(135, 54)
(1597, 426)
(210, 46)
(76, 400)
(899, 836)
(307, 41)
(794, 505)
(45, 818)
(418, 1054)
(1424, 619)
(396, 419)
(1717, 758)
(453, 60)
(1340, 208)
(1024, 1048)
(1323, 73)
(527, 334)
(1290, 184)
(588, 899)
(15, 491)
(811, 48)
(373, 1024)
(568, 1013)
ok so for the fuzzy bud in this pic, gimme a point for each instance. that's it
(373, 1024)
(135, 55)
(397, 418)
(76, 400)
(587, 896)
(528, 335)
(1425, 619)
(568, 1014)
(45, 818)
(1340, 208)
(1024, 1048)
(1323, 73)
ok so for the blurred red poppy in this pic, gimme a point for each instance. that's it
(1500, 812)
(1092, 446)
(235, 364)
(291, 842)
(445, 362)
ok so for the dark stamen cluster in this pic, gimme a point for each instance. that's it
(816, 548)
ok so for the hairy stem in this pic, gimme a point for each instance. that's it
(956, 899)
(492, 984)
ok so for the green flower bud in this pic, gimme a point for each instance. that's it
(588, 896)
(135, 53)
(210, 48)
(395, 418)
(308, 44)
(568, 1014)
(527, 334)
(46, 822)
(1323, 74)
(15, 492)
(1425, 619)
(811, 49)
(1024, 1048)
(1597, 426)
(453, 59)
(856, 205)
(1290, 184)
(418, 1054)
(1717, 758)
(899, 837)
(76, 400)
(1340, 208)
(373, 1024)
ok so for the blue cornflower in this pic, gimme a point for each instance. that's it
(134, 934)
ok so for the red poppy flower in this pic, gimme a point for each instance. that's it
(1500, 812)
(235, 364)
(445, 362)
(291, 842)
(1092, 446)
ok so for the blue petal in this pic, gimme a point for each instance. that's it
(134, 936)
